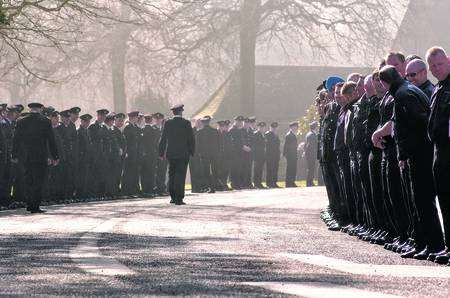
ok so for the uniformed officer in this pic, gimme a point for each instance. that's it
(247, 166)
(67, 162)
(84, 158)
(198, 181)
(119, 125)
(238, 147)
(97, 133)
(34, 138)
(130, 181)
(259, 154)
(161, 164)
(149, 157)
(208, 147)
(74, 116)
(273, 154)
(290, 153)
(311, 153)
(113, 157)
(177, 145)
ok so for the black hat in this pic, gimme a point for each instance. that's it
(141, 115)
(148, 117)
(47, 110)
(227, 122)
(177, 107)
(75, 110)
(35, 105)
(252, 119)
(206, 119)
(3, 106)
(274, 124)
(110, 117)
(158, 115)
(262, 124)
(65, 114)
(120, 116)
(293, 124)
(103, 112)
(133, 114)
(239, 118)
(86, 117)
(12, 109)
(19, 108)
(52, 113)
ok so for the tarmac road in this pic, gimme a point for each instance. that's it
(246, 243)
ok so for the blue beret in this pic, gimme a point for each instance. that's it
(331, 81)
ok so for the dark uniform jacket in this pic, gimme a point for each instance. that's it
(272, 145)
(237, 139)
(150, 139)
(428, 89)
(290, 146)
(438, 127)
(208, 145)
(34, 137)
(410, 118)
(84, 145)
(258, 146)
(372, 121)
(177, 139)
(97, 133)
(386, 112)
(328, 131)
(131, 133)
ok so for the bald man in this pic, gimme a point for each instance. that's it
(417, 74)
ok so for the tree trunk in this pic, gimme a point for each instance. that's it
(250, 15)
(117, 54)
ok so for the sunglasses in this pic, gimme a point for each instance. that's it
(411, 75)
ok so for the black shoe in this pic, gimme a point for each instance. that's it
(178, 203)
(211, 190)
(172, 202)
(38, 210)
(409, 254)
(422, 255)
(432, 256)
(443, 259)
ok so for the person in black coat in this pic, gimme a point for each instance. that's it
(65, 131)
(130, 181)
(97, 133)
(290, 153)
(198, 183)
(225, 153)
(259, 154)
(439, 134)
(84, 157)
(272, 156)
(417, 74)
(118, 127)
(149, 156)
(238, 147)
(415, 153)
(177, 144)
(34, 139)
(311, 142)
(208, 147)
(113, 156)
(161, 164)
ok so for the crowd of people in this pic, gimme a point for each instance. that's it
(384, 151)
(117, 155)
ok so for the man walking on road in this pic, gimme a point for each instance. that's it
(177, 144)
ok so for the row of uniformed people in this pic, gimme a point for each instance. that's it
(237, 153)
(377, 139)
(103, 159)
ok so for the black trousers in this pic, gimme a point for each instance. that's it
(130, 180)
(210, 172)
(310, 171)
(224, 170)
(376, 190)
(148, 173)
(177, 178)
(427, 227)
(195, 168)
(247, 169)
(161, 175)
(441, 174)
(237, 179)
(291, 170)
(35, 177)
(258, 167)
(396, 207)
(113, 166)
(357, 188)
(82, 180)
(345, 185)
(97, 173)
(366, 194)
(272, 165)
